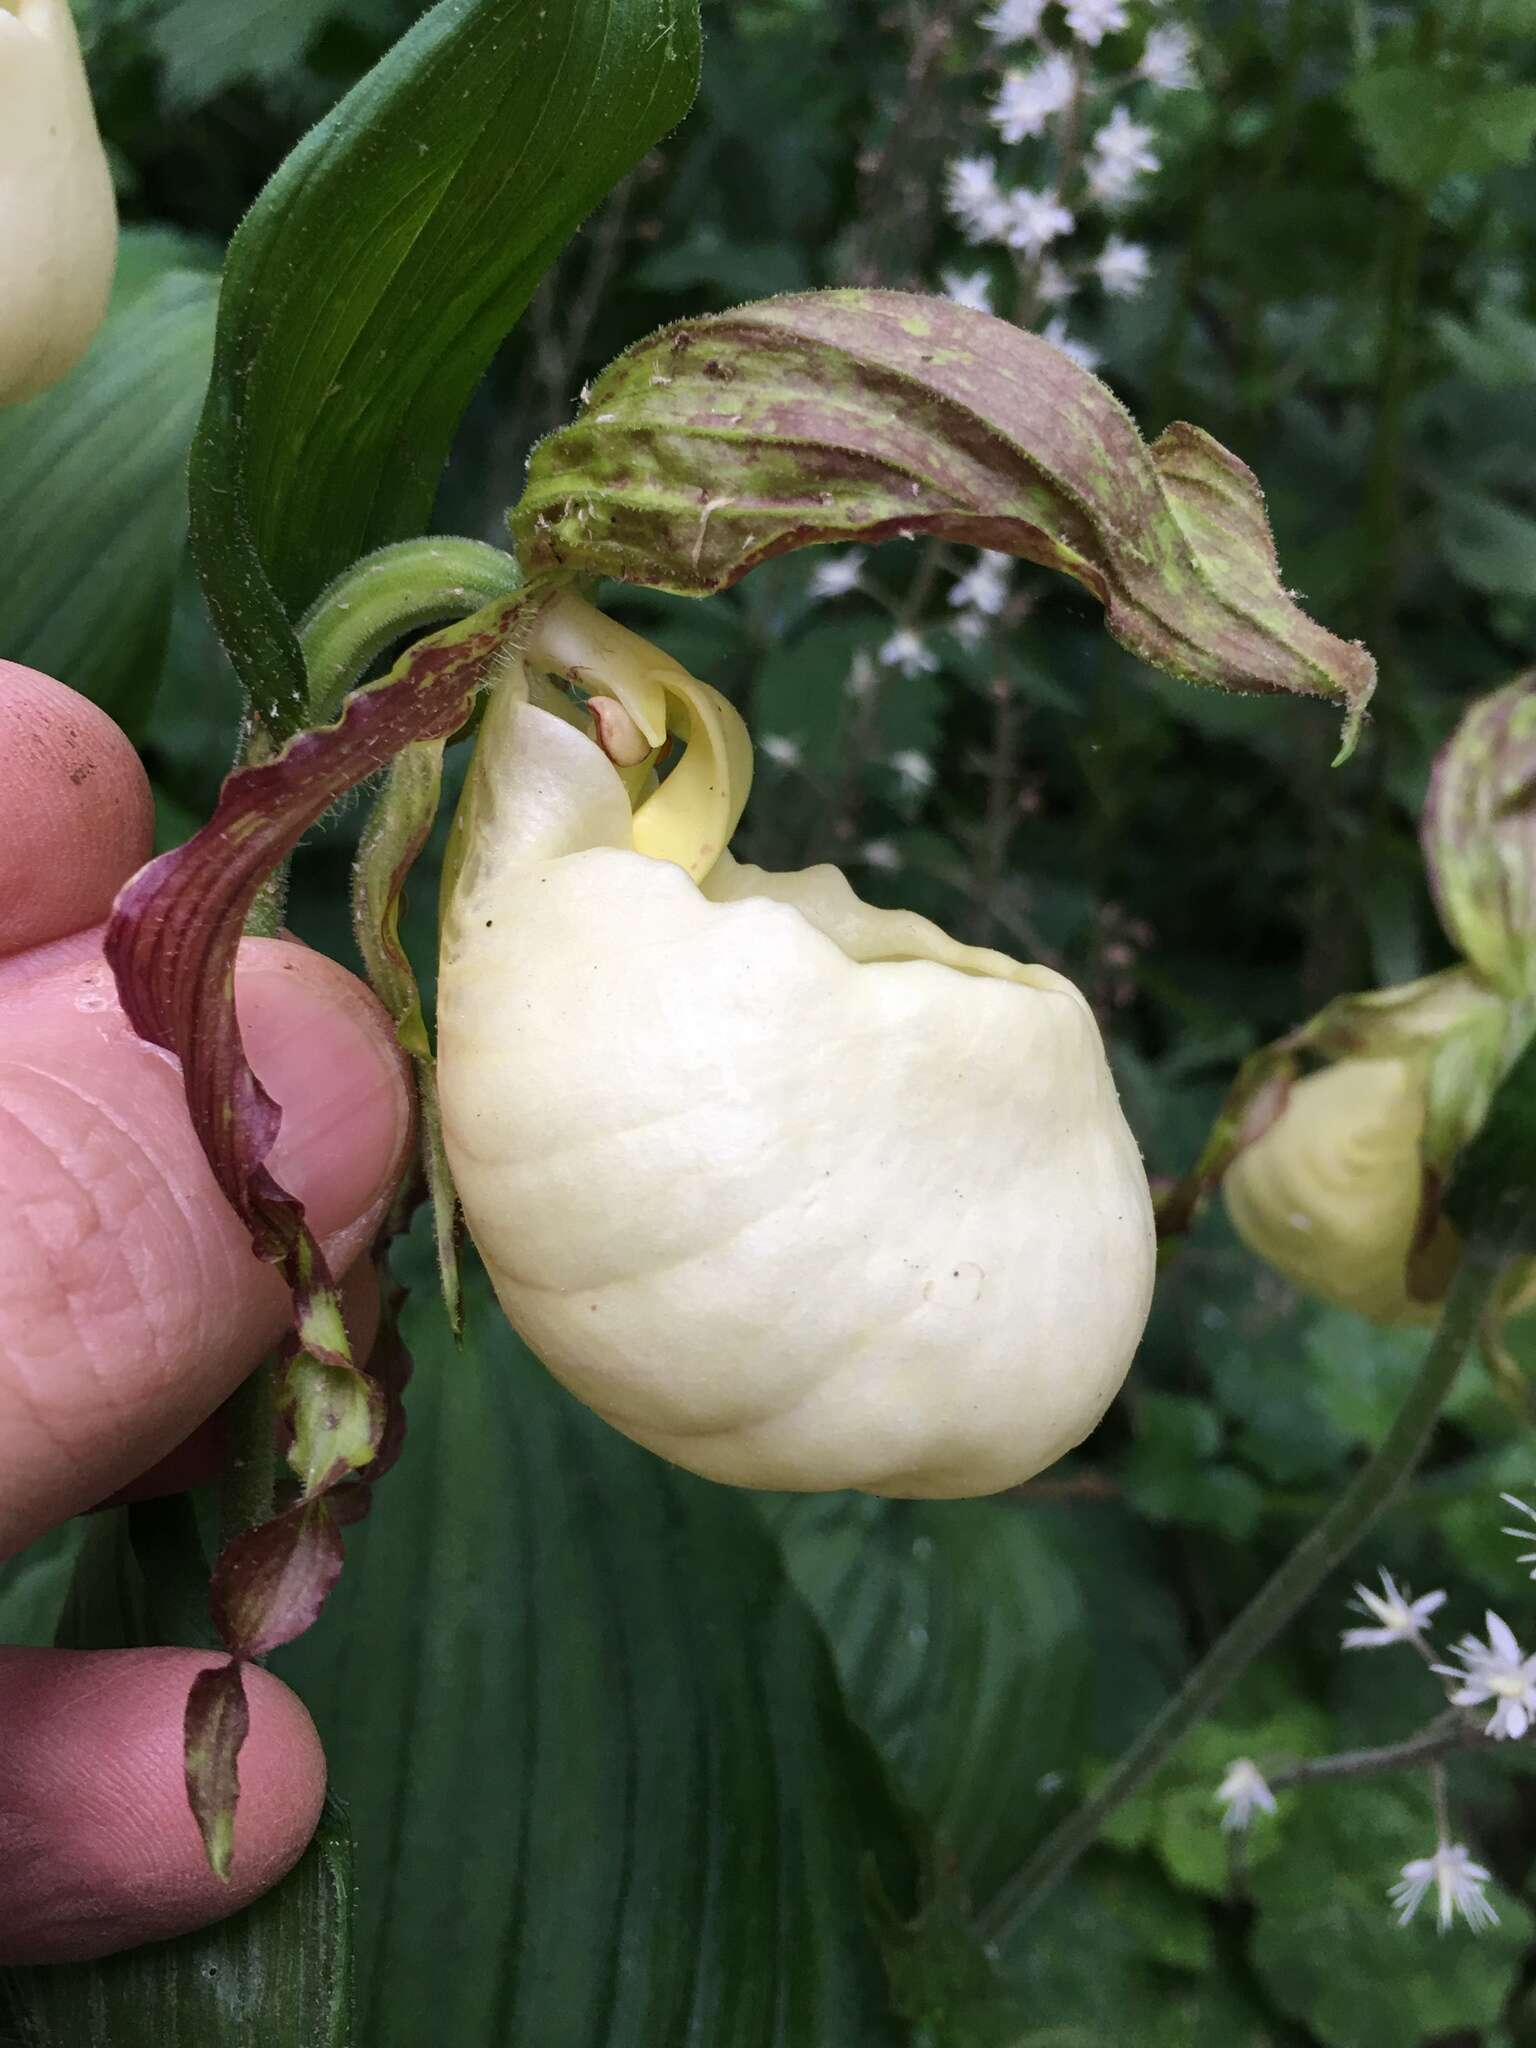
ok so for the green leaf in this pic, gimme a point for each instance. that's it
(604, 1789)
(1489, 544)
(1326, 1945)
(206, 46)
(1422, 123)
(93, 494)
(278, 1975)
(722, 442)
(376, 275)
(1172, 1474)
(1493, 1194)
(964, 1648)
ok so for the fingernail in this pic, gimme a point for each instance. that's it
(325, 1051)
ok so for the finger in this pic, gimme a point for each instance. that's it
(199, 1458)
(130, 1301)
(78, 813)
(98, 1848)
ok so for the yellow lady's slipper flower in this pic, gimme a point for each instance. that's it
(798, 1192)
(58, 218)
(1341, 1192)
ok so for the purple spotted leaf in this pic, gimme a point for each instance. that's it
(867, 415)
(1479, 836)
(271, 1582)
(171, 943)
(217, 1722)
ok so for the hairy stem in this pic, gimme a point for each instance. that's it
(1273, 1606)
(1447, 1735)
(397, 590)
(249, 1476)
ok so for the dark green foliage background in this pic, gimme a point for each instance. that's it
(1343, 233)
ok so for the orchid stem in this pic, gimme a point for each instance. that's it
(395, 591)
(249, 1480)
(1474, 1288)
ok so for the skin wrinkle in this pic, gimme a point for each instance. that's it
(126, 1147)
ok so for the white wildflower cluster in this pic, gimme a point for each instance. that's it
(1491, 1671)
(1075, 120)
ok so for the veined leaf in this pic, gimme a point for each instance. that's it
(375, 277)
(277, 1975)
(93, 491)
(964, 1647)
(869, 415)
(604, 1788)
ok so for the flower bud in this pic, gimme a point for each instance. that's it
(797, 1192)
(58, 219)
(1340, 1191)
(1479, 837)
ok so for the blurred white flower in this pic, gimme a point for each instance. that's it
(907, 651)
(1525, 1535)
(970, 628)
(1013, 21)
(1121, 151)
(974, 198)
(1458, 1883)
(1166, 60)
(1082, 353)
(1027, 99)
(1401, 1618)
(1035, 219)
(915, 770)
(1497, 1671)
(1092, 20)
(862, 676)
(1053, 287)
(1242, 1792)
(881, 853)
(839, 574)
(1123, 267)
(971, 288)
(783, 751)
(984, 586)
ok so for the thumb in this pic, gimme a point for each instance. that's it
(131, 1303)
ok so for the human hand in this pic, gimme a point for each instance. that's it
(131, 1305)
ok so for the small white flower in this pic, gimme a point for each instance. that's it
(1120, 153)
(783, 751)
(1402, 1618)
(1458, 1883)
(915, 770)
(1092, 20)
(984, 586)
(1013, 21)
(1082, 353)
(974, 198)
(1053, 286)
(1123, 267)
(839, 574)
(862, 676)
(907, 651)
(971, 288)
(1525, 1535)
(1240, 1793)
(970, 628)
(1026, 100)
(1166, 62)
(1034, 219)
(880, 853)
(1497, 1670)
